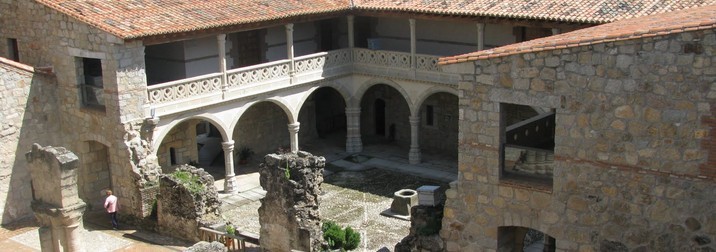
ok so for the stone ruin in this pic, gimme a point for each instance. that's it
(425, 224)
(182, 208)
(289, 214)
(56, 202)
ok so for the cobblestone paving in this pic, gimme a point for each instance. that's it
(353, 198)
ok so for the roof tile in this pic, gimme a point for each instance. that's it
(654, 25)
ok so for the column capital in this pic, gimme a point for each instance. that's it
(293, 127)
(352, 110)
(414, 120)
(412, 21)
(221, 37)
(480, 26)
(289, 27)
(228, 144)
(350, 18)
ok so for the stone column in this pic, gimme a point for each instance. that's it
(480, 36)
(351, 31)
(412, 43)
(289, 216)
(230, 185)
(221, 45)
(289, 49)
(353, 138)
(56, 202)
(414, 154)
(293, 132)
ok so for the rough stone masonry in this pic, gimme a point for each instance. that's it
(289, 213)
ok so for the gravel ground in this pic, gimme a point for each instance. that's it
(354, 198)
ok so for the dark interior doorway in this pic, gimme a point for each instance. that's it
(379, 106)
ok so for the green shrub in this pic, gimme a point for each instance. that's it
(339, 238)
(333, 234)
(352, 239)
(190, 181)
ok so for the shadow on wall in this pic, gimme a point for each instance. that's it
(30, 118)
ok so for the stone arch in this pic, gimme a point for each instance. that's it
(280, 102)
(322, 113)
(384, 116)
(427, 93)
(95, 137)
(262, 126)
(207, 117)
(177, 146)
(518, 238)
(365, 86)
(338, 88)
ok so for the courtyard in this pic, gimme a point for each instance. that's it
(356, 189)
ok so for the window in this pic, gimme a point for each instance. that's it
(527, 142)
(172, 156)
(90, 80)
(12, 50)
(429, 115)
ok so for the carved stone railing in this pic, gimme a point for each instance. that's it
(210, 88)
(177, 90)
(254, 75)
(381, 58)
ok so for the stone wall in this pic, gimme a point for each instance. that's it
(49, 38)
(441, 136)
(634, 156)
(289, 213)
(263, 128)
(28, 114)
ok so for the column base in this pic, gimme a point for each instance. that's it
(354, 145)
(414, 156)
(230, 184)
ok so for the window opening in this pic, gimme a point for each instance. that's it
(91, 82)
(527, 142)
(13, 51)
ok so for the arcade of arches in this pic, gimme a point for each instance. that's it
(384, 117)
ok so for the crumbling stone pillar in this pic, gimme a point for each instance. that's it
(289, 214)
(187, 202)
(56, 202)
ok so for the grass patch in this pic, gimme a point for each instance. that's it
(190, 181)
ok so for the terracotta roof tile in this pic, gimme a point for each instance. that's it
(655, 25)
(141, 18)
(130, 19)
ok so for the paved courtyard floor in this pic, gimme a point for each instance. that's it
(354, 192)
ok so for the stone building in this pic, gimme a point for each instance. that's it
(137, 87)
(618, 153)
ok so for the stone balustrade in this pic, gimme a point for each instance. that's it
(241, 82)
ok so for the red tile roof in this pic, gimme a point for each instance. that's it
(142, 18)
(580, 11)
(27, 68)
(700, 18)
(131, 19)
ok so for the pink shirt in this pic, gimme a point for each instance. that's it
(111, 204)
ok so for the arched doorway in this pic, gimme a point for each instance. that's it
(94, 176)
(196, 142)
(323, 121)
(384, 117)
(262, 129)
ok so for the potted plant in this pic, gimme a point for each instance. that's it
(244, 155)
